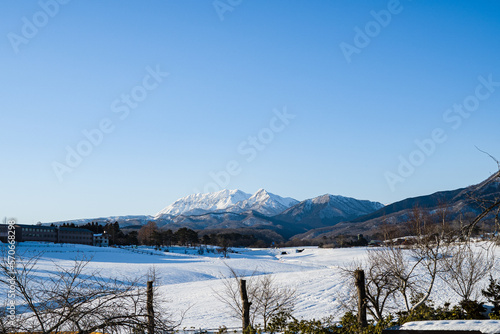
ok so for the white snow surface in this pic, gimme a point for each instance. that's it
(484, 326)
(235, 201)
(189, 280)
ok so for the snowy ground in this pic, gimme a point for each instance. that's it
(189, 280)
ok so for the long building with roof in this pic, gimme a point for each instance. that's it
(56, 234)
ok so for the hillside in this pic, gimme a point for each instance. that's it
(457, 203)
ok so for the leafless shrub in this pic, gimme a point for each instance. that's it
(267, 298)
(464, 267)
(395, 274)
(77, 299)
(271, 298)
(381, 286)
(489, 205)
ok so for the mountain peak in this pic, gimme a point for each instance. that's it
(267, 203)
(322, 199)
(261, 193)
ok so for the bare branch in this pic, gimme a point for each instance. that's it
(77, 299)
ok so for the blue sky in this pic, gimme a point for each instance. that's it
(301, 98)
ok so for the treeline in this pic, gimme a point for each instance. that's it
(151, 235)
(115, 234)
(337, 241)
(232, 239)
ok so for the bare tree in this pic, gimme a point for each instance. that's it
(427, 251)
(488, 205)
(223, 244)
(146, 234)
(230, 294)
(266, 297)
(77, 299)
(380, 287)
(7, 321)
(381, 284)
(395, 273)
(271, 298)
(464, 267)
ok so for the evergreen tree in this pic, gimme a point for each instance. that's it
(492, 293)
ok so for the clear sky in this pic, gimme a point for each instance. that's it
(122, 107)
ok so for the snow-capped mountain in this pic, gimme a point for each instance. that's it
(235, 201)
(266, 203)
(198, 204)
(327, 210)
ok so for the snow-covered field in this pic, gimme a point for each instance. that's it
(188, 280)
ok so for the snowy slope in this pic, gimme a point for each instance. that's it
(326, 210)
(189, 281)
(265, 203)
(201, 203)
(349, 206)
(235, 201)
(333, 206)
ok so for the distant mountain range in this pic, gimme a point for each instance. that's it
(284, 218)
(460, 203)
(235, 209)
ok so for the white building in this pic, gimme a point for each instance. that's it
(101, 240)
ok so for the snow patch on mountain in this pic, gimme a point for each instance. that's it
(339, 205)
(331, 207)
(266, 203)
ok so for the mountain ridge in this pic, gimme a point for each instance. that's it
(235, 209)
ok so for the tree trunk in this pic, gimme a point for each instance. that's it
(245, 312)
(360, 285)
(150, 310)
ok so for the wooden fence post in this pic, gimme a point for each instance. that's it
(360, 285)
(150, 309)
(245, 316)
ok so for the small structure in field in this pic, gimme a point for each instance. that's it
(101, 240)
